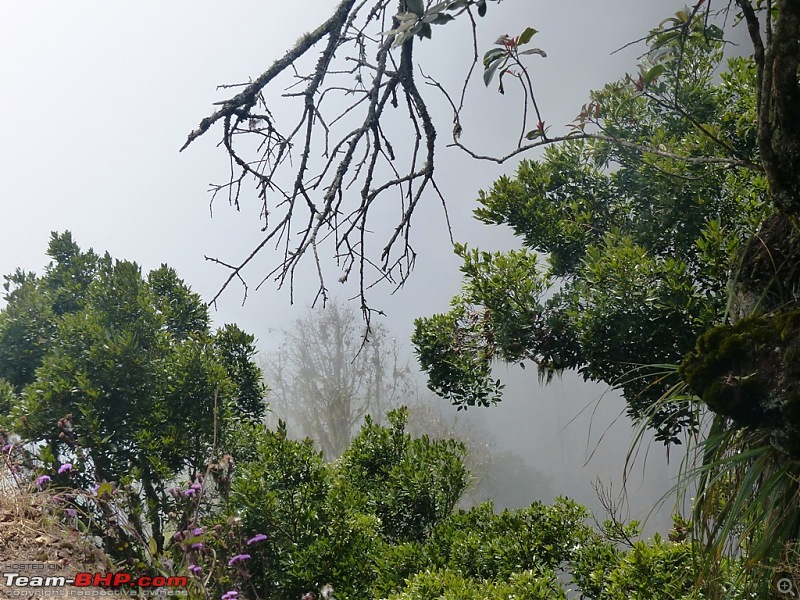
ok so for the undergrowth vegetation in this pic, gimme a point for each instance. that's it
(380, 522)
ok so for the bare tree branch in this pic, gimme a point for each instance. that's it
(343, 115)
(640, 148)
(247, 99)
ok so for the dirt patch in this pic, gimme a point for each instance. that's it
(35, 544)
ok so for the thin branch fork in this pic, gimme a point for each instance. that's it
(356, 155)
(247, 98)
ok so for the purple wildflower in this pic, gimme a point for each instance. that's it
(43, 481)
(238, 558)
(196, 486)
(195, 569)
(198, 531)
(231, 595)
(71, 512)
(256, 538)
(65, 468)
(190, 492)
(198, 546)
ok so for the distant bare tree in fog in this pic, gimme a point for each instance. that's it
(324, 381)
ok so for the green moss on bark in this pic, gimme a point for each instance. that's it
(750, 372)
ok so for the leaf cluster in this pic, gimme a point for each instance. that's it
(417, 19)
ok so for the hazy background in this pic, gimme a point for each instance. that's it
(97, 97)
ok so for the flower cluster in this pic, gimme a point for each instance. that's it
(256, 539)
(193, 489)
(189, 492)
(43, 480)
(238, 558)
(194, 538)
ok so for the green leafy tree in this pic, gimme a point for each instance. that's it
(383, 473)
(636, 252)
(120, 377)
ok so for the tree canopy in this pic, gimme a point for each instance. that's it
(634, 255)
(119, 374)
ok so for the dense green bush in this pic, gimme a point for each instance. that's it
(115, 380)
(380, 523)
(335, 522)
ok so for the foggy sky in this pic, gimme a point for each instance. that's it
(99, 96)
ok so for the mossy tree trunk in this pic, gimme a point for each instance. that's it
(768, 270)
(765, 284)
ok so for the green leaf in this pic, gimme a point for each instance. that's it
(424, 31)
(526, 35)
(661, 39)
(458, 4)
(538, 51)
(651, 75)
(714, 32)
(490, 70)
(438, 18)
(481, 8)
(493, 54)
